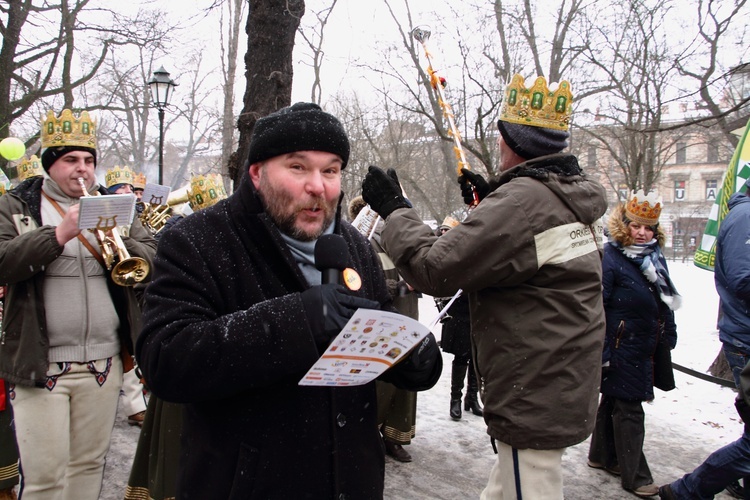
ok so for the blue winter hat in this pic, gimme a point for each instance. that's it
(304, 126)
(530, 142)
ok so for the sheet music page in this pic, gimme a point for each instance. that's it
(106, 211)
(156, 194)
(370, 343)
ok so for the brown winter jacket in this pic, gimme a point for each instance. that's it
(532, 270)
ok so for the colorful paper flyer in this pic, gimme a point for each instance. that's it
(370, 343)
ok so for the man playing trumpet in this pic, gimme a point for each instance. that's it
(67, 322)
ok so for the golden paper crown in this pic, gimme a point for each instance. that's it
(139, 181)
(29, 167)
(205, 190)
(643, 208)
(537, 106)
(118, 175)
(68, 130)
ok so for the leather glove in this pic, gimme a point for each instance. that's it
(328, 307)
(382, 191)
(470, 181)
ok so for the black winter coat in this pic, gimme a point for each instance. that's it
(636, 320)
(225, 332)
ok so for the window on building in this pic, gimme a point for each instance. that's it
(681, 156)
(679, 190)
(712, 153)
(711, 189)
(622, 191)
(591, 158)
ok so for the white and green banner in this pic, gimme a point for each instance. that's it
(737, 173)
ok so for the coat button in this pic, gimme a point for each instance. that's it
(341, 420)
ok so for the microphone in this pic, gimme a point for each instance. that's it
(331, 257)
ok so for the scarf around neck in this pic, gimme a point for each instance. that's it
(304, 254)
(648, 258)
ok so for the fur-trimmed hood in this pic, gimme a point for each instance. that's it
(618, 231)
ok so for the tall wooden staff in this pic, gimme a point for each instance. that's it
(438, 83)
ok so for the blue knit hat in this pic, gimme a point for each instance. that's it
(530, 142)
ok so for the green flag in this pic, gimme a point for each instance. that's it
(734, 178)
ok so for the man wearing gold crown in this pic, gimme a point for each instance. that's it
(67, 323)
(528, 258)
(237, 313)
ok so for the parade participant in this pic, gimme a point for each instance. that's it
(139, 184)
(237, 313)
(154, 471)
(455, 338)
(66, 320)
(528, 258)
(639, 302)
(119, 180)
(397, 408)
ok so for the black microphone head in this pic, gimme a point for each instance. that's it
(331, 252)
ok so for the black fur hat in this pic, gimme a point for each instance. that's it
(300, 127)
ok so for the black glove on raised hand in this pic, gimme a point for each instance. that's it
(470, 181)
(423, 358)
(382, 191)
(328, 307)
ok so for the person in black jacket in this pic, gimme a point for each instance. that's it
(236, 315)
(639, 302)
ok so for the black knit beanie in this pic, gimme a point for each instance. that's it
(530, 142)
(300, 127)
(51, 155)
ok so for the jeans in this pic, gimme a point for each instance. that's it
(736, 359)
(722, 467)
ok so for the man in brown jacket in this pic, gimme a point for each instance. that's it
(528, 258)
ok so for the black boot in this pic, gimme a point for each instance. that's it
(458, 372)
(471, 402)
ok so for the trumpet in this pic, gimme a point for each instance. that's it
(126, 270)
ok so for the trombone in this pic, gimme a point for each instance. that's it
(127, 270)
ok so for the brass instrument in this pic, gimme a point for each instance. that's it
(127, 270)
(155, 216)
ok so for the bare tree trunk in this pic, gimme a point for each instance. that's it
(271, 27)
(229, 62)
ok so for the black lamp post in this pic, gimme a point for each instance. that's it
(161, 87)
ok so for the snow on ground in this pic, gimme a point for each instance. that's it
(452, 459)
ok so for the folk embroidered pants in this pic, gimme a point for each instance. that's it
(63, 434)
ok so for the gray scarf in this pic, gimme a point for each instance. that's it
(304, 254)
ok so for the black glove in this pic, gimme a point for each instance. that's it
(470, 181)
(328, 307)
(382, 191)
(422, 358)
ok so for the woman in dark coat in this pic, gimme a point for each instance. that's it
(456, 339)
(639, 302)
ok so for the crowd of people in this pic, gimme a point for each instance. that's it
(232, 308)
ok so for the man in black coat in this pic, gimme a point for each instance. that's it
(236, 314)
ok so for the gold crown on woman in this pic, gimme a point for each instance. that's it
(118, 175)
(537, 106)
(68, 130)
(139, 181)
(29, 167)
(643, 208)
(205, 190)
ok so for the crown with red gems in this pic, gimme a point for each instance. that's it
(537, 106)
(139, 181)
(119, 175)
(205, 190)
(29, 167)
(68, 130)
(643, 208)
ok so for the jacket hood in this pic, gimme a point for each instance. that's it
(737, 199)
(564, 177)
(618, 231)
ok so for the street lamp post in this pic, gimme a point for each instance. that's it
(161, 87)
